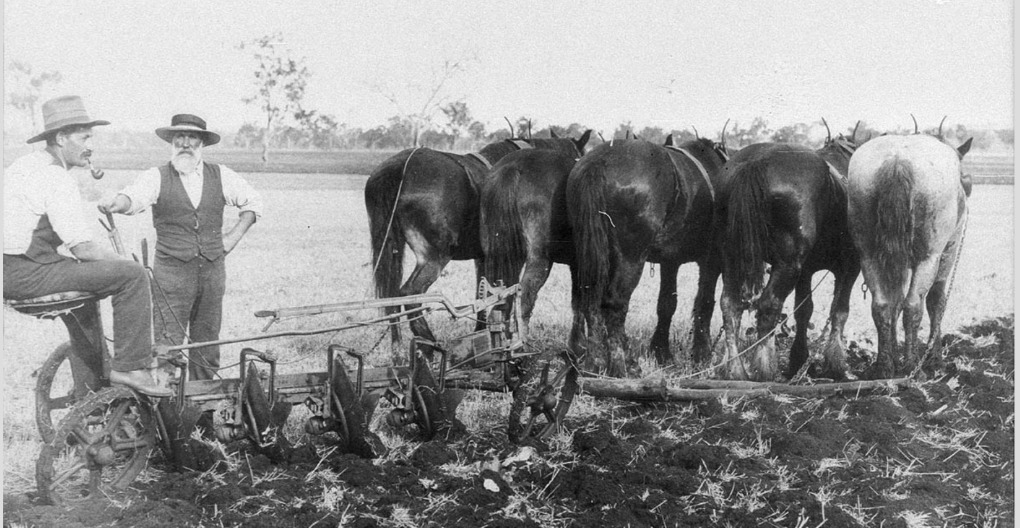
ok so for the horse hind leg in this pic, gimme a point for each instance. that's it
(427, 268)
(665, 308)
(834, 363)
(731, 365)
(938, 295)
(913, 308)
(764, 360)
(886, 304)
(805, 306)
(621, 361)
(701, 313)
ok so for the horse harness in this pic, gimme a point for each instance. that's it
(697, 163)
(474, 177)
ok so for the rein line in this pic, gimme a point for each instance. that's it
(949, 289)
(393, 213)
(761, 339)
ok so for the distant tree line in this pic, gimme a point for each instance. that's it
(466, 135)
(426, 113)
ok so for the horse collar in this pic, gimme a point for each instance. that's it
(845, 145)
(833, 171)
(697, 163)
(520, 144)
(479, 157)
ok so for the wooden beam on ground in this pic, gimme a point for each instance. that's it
(658, 389)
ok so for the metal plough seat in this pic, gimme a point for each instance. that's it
(51, 305)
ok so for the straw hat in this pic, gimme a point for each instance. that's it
(187, 123)
(64, 112)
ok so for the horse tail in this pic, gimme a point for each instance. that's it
(381, 194)
(592, 236)
(893, 229)
(749, 215)
(504, 246)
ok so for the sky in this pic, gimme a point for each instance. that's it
(667, 64)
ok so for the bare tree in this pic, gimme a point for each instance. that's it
(420, 102)
(279, 81)
(24, 90)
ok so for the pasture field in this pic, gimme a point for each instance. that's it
(917, 458)
(241, 160)
(987, 167)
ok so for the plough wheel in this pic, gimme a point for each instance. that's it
(55, 391)
(429, 410)
(262, 421)
(352, 422)
(543, 397)
(100, 446)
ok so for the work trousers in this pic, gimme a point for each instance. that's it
(188, 301)
(125, 281)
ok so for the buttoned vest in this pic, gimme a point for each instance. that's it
(184, 231)
(45, 242)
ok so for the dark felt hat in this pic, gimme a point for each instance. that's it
(187, 123)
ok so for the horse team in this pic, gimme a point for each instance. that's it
(766, 218)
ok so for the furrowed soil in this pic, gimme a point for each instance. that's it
(938, 453)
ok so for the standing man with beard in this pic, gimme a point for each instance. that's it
(187, 196)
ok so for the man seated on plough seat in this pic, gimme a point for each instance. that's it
(44, 210)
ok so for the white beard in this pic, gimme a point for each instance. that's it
(185, 162)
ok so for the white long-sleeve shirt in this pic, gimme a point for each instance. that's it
(236, 191)
(34, 186)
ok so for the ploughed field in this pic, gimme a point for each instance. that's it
(939, 453)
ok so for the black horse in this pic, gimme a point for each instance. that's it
(428, 200)
(524, 223)
(785, 205)
(632, 201)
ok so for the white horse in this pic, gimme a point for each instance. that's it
(908, 212)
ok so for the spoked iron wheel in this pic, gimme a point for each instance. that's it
(263, 422)
(55, 391)
(542, 399)
(100, 446)
(350, 416)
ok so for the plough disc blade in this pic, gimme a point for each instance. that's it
(429, 407)
(260, 419)
(179, 448)
(351, 416)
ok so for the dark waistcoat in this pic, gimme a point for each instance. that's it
(184, 231)
(45, 241)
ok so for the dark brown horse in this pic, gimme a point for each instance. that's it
(784, 205)
(428, 200)
(524, 225)
(631, 202)
(908, 210)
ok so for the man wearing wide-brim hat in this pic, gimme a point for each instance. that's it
(44, 210)
(187, 196)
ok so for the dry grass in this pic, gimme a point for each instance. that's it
(312, 247)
